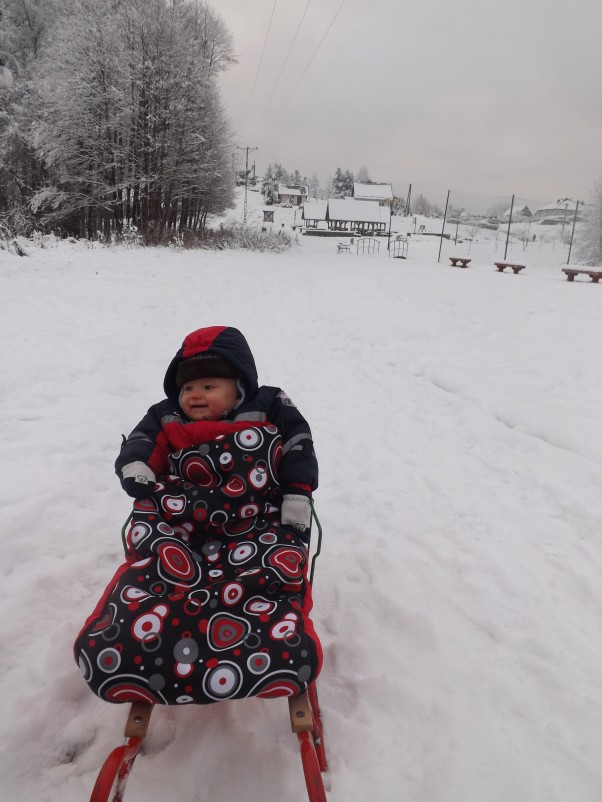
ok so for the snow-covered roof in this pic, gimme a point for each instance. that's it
(559, 206)
(357, 211)
(315, 209)
(295, 189)
(362, 191)
(518, 210)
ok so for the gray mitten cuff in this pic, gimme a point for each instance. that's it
(137, 479)
(296, 511)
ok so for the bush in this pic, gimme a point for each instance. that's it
(233, 235)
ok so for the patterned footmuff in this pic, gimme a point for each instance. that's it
(213, 602)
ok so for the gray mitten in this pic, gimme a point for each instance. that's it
(137, 479)
(296, 512)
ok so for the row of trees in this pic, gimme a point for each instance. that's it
(115, 120)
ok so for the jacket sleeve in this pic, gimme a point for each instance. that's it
(299, 466)
(146, 445)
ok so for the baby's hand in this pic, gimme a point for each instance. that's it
(138, 480)
(296, 512)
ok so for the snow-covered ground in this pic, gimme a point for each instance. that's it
(456, 417)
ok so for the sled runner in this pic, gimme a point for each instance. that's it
(305, 720)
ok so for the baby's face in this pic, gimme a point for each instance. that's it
(208, 399)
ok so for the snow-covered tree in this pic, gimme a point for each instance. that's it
(398, 205)
(269, 185)
(422, 206)
(363, 175)
(25, 25)
(342, 183)
(121, 108)
(589, 240)
(314, 186)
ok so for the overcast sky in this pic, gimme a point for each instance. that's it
(483, 97)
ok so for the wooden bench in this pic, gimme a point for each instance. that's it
(501, 266)
(595, 275)
(463, 262)
(343, 247)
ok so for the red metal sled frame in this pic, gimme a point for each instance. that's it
(311, 741)
(117, 767)
(306, 722)
(115, 772)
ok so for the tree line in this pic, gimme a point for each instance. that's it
(115, 121)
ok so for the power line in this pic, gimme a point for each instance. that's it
(308, 63)
(283, 66)
(265, 41)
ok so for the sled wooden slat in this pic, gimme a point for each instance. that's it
(138, 720)
(300, 713)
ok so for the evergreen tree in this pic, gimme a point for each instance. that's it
(269, 186)
(342, 184)
(363, 175)
(314, 186)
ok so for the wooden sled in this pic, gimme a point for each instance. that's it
(305, 718)
(306, 723)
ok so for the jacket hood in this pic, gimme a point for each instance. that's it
(223, 341)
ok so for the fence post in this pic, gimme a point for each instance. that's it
(508, 232)
(443, 229)
(568, 259)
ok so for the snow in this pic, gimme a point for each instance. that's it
(455, 414)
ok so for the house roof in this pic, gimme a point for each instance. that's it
(292, 189)
(559, 206)
(524, 210)
(351, 210)
(372, 191)
(315, 209)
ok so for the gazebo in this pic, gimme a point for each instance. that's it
(314, 212)
(358, 217)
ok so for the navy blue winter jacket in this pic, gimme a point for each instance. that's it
(152, 439)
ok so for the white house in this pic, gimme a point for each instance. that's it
(372, 191)
(518, 213)
(295, 194)
(559, 212)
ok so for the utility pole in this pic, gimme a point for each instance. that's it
(509, 224)
(247, 149)
(568, 259)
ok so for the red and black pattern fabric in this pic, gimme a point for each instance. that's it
(213, 601)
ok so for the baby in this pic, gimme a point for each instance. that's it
(213, 378)
(213, 601)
